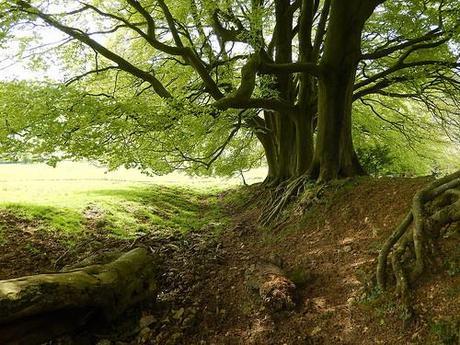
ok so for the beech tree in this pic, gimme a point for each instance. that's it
(287, 72)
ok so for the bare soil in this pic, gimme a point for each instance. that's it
(329, 250)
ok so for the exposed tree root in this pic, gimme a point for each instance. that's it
(37, 308)
(280, 197)
(303, 189)
(433, 208)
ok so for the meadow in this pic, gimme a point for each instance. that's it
(124, 202)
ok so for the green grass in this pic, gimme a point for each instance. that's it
(126, 204)
(446, 331)
(47, 217)
(153, 207)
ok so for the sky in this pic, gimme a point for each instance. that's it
(12, 68)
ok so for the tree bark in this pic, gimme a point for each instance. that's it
(289, 149)
(304, 143)
(40, 307)
(286, 149)
(285, 130)
(334, 153)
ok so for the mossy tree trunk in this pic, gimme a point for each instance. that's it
(290, 132)
(334, 153)
(325, 91)
(285, 128)
(324, 98)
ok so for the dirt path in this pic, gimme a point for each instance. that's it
(331, 254)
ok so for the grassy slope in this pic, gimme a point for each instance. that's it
(52, 217)
(125, 202)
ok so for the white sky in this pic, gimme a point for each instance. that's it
(11, 66)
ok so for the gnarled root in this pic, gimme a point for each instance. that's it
(285, 192)
(280, 196)
(433, 208)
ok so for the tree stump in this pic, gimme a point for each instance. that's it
(34, 309)
(276, 290)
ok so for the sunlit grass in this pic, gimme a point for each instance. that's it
(65, 220)
(127, 202)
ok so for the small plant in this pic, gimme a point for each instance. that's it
(453, 291)
(453, 268)
(372, 294)
(452, 264)
(447, 331)
(326, 315)
(32, 249)
(376, 158)
(300, 276)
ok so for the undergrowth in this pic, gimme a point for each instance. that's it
(446, 331)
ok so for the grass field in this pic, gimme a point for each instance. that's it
(124, 202)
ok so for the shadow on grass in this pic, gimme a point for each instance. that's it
(147, 208)
(127, 212)
(173, 198)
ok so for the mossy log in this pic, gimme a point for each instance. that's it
(36, 308)
(269, 280)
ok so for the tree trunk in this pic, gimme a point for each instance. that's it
(269, 141)
(286, 149)
(285, 129)
(304, 143)
(41, 307)
(289, 149)
(291, 152)
(334, 154)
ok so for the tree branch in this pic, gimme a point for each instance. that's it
(400, 65)
(321, 30)
(84, 38)
(385, 51)
(95, 71)
(189, 55)
(294, 67)
(150, 21)
(377, 87)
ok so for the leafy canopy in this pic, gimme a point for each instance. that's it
(157, 84)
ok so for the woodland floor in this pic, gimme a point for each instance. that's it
(329, 249)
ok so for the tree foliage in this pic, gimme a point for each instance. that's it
(157, 137)
(206, 86)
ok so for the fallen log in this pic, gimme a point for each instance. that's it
(269, 280)
(37, 308)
